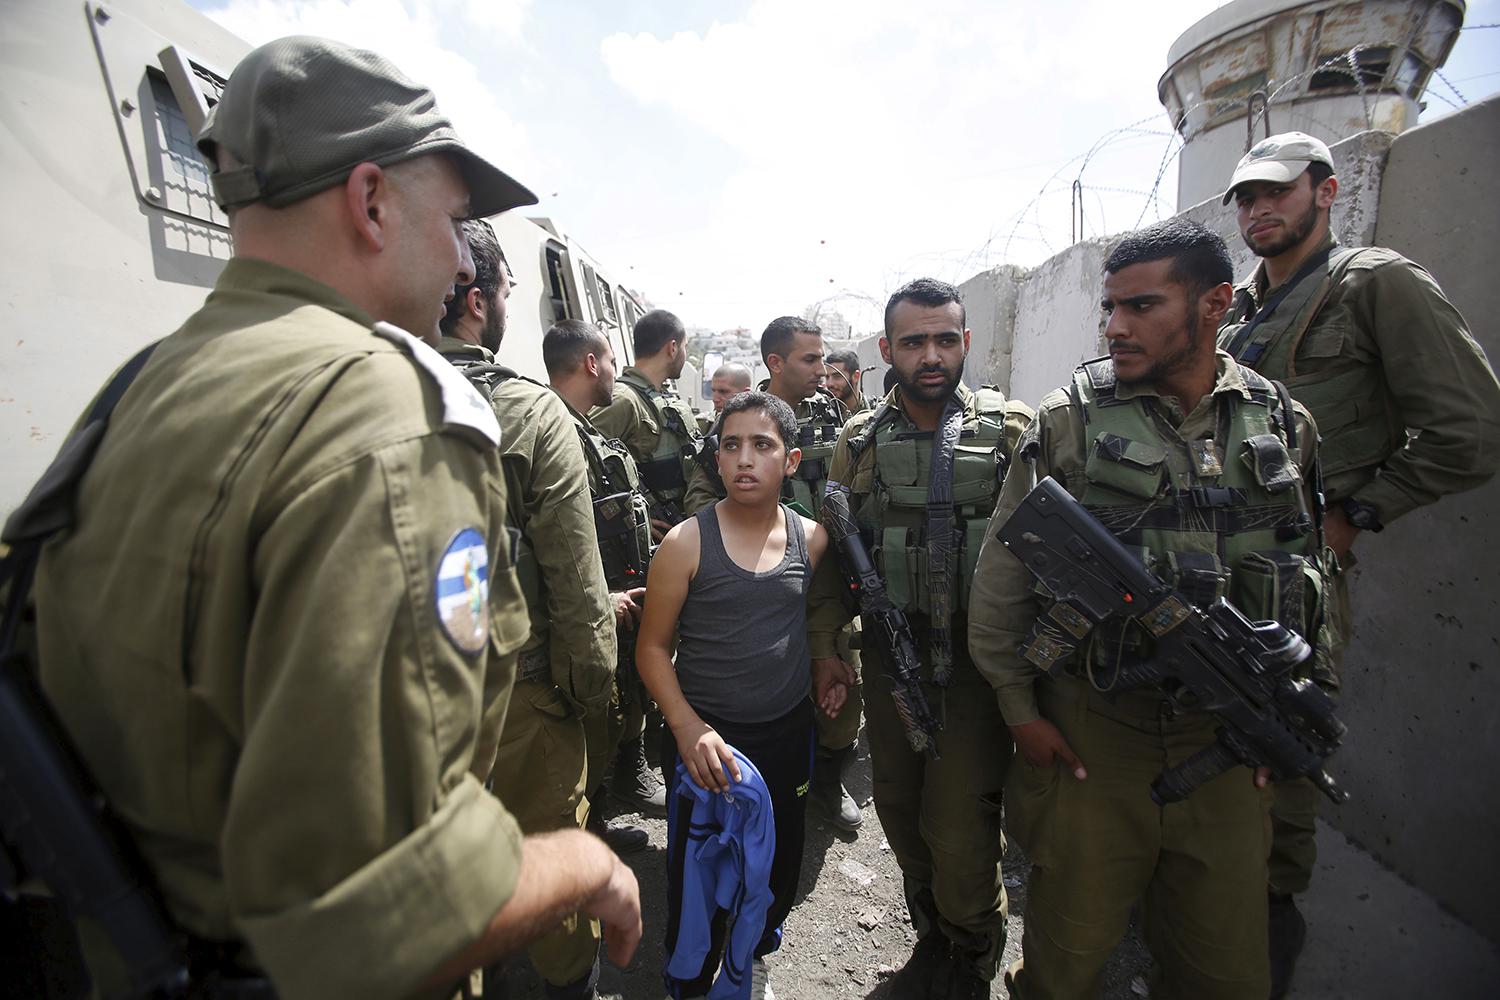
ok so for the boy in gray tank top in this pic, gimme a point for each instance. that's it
(732, 584)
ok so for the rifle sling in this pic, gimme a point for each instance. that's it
(941, 557)
(1242, 336)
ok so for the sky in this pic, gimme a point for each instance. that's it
(739, 160)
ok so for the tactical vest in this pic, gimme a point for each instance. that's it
(665, 472)
(622, 516)
(1357, 419)
(1216, 517)
(896, 508)
(817, 432)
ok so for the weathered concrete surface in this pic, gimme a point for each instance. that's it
(1373, 936)
(1058, 322)
(990, 302)
(1423, 673)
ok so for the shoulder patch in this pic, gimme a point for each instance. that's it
(462, 591)
(1101, 373)
(462, 404)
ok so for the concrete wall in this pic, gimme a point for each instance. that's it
(1422, 678)
(990, 304)
(1423, 674)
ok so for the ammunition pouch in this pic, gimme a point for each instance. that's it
(663, 476)
(901, 555)
(617, 523)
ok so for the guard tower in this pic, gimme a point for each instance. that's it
(1330, 68)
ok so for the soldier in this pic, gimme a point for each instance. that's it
(1408, 406)
(581, 367)
(661, 432)
(845, 380)
(932, 437)
(792, 349)
(567, 666)
(1167, 441)
(283, 627)
(728, 380)
(474, 318)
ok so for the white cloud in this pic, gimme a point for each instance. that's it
(879, 139)
(411, 36)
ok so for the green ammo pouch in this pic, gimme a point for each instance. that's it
(1271, 584)
(1134, 468)
(1273, 467)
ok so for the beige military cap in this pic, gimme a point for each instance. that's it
(1280, 158)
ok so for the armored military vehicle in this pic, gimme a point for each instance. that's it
(111, 237)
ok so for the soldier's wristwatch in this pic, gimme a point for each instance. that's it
(1361, 515)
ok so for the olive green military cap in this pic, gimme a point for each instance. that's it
(300, 113)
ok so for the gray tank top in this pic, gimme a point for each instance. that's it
(742, 652)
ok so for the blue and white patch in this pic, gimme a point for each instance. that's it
(463, 591)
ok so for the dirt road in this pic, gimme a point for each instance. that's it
(846, 934)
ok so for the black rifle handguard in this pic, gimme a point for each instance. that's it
(882, 619)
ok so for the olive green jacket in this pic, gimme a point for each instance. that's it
(1389, 315)
(243, 636)
(547, 485)
(1003, 603)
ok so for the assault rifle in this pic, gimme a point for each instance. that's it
(879, 617)
(1209, 659)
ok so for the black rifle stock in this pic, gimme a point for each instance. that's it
(55, 824)
(881, 619)
(1210, 659)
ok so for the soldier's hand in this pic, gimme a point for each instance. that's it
(627, 607)
(1338, 533)
(707, 757)
(659, 529)
(832, 679)
(1042, 744)
(1262, 777)
(618, 907)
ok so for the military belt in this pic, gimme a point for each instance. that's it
(535, 665)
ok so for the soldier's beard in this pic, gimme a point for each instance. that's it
(493, 332)
(913, 389)
(1178, 360)
(1292, 234)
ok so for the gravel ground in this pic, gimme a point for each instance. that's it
(845, 936)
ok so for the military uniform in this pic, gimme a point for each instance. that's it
(1211, 500)
(567, 665)
(269, 637)
(622, 519)
(942, 817)
(1370, 345)
(661, 432)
